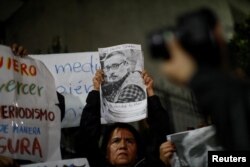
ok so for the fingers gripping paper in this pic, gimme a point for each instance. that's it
(123, 93)
(29, 119)
(192, 147)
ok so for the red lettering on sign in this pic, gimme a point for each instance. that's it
(23, 69)
(22, 146)
(17, 66)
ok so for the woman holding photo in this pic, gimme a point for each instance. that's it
(121, 144)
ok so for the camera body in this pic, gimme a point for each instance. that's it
(158, 41)
(195, 32)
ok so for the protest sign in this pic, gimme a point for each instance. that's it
(73, 73)
(29, 119)
(192, 147)
(123, 93)
(79, 162)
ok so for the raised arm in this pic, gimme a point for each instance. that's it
(90, 120)
(158, 119)
(87, 141)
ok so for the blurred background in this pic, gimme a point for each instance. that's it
(53, 26)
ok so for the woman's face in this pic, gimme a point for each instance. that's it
(122, 148)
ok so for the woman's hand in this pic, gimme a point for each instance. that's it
(19, 50)
(166, 152)
(98, 79)
(148, 81)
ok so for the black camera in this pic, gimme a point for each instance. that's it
(194, 31)
(157, 42)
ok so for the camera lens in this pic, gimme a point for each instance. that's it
(157, 42)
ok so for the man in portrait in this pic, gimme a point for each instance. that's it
(122, 82)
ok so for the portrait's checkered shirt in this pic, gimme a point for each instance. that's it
(131, 93)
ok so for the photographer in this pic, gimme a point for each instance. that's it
(194, 55)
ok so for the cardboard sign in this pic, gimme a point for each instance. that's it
(29, 119)
(73, 73)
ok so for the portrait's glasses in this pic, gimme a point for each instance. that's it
(114, 66)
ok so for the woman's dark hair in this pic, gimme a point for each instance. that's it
(109, 131)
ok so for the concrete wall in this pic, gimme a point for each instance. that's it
(85, 25)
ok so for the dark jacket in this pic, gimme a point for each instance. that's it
(227, 101)
(90, 133)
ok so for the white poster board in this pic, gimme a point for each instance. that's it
(79, 162)
(29, 119)
(73, 73)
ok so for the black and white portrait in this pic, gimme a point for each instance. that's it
(193, 146)
(122, 73)
(123, 93)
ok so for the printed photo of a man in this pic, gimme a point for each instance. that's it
(122, 82)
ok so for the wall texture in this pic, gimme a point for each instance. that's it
(85, 25)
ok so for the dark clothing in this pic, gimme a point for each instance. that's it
(87, 143)
(61, 104)
(227, 101)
